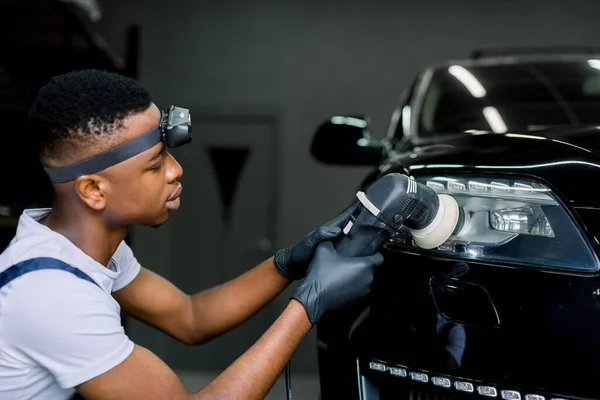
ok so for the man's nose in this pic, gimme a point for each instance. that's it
(174, 170)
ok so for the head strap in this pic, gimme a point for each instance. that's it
(106, 159)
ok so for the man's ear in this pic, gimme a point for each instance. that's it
(91, 189)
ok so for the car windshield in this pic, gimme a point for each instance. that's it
(511, 97)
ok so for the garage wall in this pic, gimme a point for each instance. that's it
(306, 62)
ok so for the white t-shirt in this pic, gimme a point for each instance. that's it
(56, 329)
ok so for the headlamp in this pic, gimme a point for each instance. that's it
(509, 220)
(175, 129)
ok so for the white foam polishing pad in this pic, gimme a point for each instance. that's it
(442, 226)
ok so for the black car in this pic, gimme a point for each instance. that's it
(509, 307)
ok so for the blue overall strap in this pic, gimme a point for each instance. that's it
(36, 264)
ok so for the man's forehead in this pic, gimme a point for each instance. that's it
(138, 123)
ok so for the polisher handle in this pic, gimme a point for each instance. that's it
(365, 236)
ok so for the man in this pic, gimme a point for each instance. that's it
(68, 273)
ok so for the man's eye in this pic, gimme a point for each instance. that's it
(156, 167)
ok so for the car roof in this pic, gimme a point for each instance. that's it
(508, 58)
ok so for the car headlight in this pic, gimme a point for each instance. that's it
(510, 221)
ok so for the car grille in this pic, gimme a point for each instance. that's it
(401, 383)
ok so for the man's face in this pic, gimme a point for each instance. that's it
(143, 189)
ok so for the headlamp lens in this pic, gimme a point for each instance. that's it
(529, 220)
(509, 221)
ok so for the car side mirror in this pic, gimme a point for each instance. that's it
(345, 140)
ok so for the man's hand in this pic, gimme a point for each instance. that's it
(335, 281)
(292, 262)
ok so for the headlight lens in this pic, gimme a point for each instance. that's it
(525, 220)
(510, 221)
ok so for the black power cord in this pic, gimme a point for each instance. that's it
(288, 380)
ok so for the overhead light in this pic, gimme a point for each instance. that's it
(406, 112)
(493, 118)
(359, 123)
(466, 78)
(594, 63)
(518, 135)
(476, 132)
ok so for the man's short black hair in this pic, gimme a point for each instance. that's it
(82, 110)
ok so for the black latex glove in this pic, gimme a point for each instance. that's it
(293, 261)
(334, 281)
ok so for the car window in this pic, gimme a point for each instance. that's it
(512, 97)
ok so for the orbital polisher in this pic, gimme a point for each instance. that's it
(390, 203)
(395, 201)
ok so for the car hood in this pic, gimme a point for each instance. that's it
(565, 159)
(587, 137)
